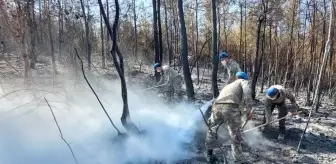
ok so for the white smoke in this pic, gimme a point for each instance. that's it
(28, 133)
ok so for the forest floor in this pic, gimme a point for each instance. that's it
(318, 146)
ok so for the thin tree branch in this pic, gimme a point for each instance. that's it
(59, 129)
(119, 133)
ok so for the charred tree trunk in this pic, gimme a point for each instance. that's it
(125, 118)
(102, 41)
(107, 42)
(156, 39)
(271, 56)
(87, 33)
(245, 42)
(262, 64)
(290, 47)
(215, 91)
(52, 49)
(160, 30)
(184, 54)
(60, 20)
(258, 58)
(312, 52)
(167, 34)
(135, 51)
(32, 32)
(241, 32)
(196, 44)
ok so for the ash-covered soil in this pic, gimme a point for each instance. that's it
(318, 146)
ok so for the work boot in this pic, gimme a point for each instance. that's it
(210, 157)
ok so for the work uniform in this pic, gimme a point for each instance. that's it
(171, 81)
(232, 68)
(227, 110)
(279, 101)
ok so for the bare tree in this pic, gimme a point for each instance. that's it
(290, 47)
(125, 118)
(159, 30)
(87, 32)
(102, 41)
(184, 54)
(215, 91)
(324, 62)
(135, 31)
(258, 58)
(52, 49)
(156, 39)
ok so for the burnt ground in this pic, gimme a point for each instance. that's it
(318, 146)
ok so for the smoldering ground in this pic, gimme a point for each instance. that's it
(29, 133)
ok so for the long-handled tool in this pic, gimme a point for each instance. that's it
(288, 115)
(154, 87)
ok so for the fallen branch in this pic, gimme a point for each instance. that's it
(59, 129)
(119, 133)
(218, 144)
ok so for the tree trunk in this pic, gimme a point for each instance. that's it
(167, 34)
(102, 41)
(196, 43)
(245, 42)
(241, 32)
(135, 32)
(60, 20)
(156, 39)
(290, 47)
(263, 54)
(258, 58)
(312, 51)
(271, 57)
(52, 49)
(32, 32)
(125, 118)
(276, 76)
(40, 22)
(215, 91)
(87, 33)
(160, 30)
(107, 34)
(184, 54)
(219, 26)
(327, 48)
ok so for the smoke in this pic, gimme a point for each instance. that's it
(30, 135)
(255, 139)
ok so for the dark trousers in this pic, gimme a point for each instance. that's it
(282, 113)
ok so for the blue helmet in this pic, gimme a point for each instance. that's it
(224, 54)
(271, 92)
(156, 65)
(242, 75)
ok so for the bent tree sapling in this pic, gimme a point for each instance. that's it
(125, 117)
